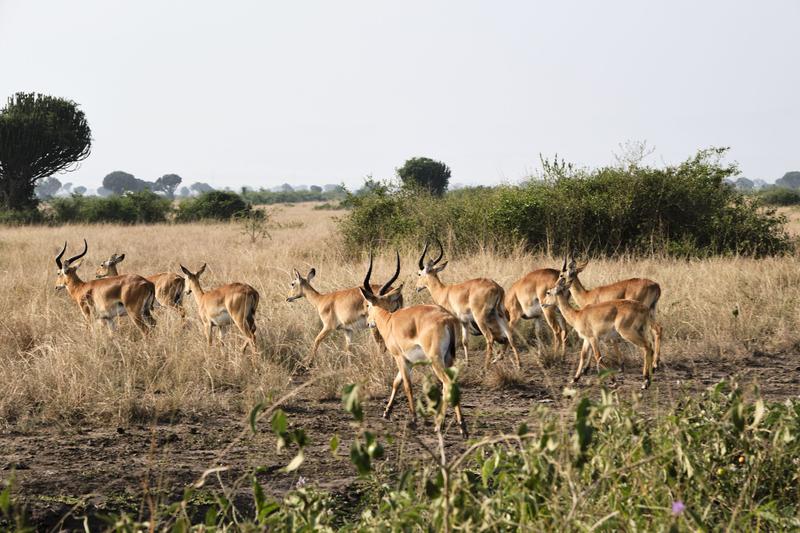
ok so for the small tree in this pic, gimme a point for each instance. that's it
(119, 182)
(200, 187)
(744, 184)
(47, 188)
(39, 136)
(790, 180)
(425, 173)
(167, 184)
(254, 224)
(79, 190)
(315, 188)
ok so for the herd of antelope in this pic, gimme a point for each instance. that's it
(412, 335)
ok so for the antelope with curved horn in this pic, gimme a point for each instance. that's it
(476, 302)
(631, 320)
(234, 302)
(106, 299)
(642, 290)
(524, 301)
(344, 309)
(414, 335)
(169, 286)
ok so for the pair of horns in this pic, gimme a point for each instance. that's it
(71, 259)
(425, 251)
(564, 267)
(386, 285)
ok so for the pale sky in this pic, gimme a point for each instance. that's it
(315, 92)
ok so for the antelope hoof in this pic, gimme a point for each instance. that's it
(463, 428)
(387, 414)
(646, 384)
(576, 378)
(412, 424)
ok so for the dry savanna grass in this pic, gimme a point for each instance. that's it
(54, 367)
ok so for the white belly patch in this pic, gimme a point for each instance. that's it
(112, 311)
(534, 311)
(221, 319)
(416, 355)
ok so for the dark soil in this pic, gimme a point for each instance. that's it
(64, 473)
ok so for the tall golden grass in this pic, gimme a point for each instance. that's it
(53, 367)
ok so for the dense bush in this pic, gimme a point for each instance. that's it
(214, 205)
(780, 196)
(686, 210)
(132, 208)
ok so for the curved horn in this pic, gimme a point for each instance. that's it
(422, 257)
(60, 255)
(564, 266)
(367, 286)
(441, 251)
(85, 249)
(388, 284)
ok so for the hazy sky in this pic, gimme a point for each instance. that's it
(315, 92)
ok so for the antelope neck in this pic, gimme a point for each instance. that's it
(578, 291)
(569, 314)
(436, 288)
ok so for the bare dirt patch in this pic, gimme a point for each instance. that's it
(86, 469)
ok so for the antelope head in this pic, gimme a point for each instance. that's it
(109, 266)
(561, 286)
(570, 271)
(193, 279)
(300, 284)
(431, 268)
(387, 298)
(67, 268)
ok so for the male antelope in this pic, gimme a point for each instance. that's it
(343, 309)
(477, 302)
(234, 302)
(632, 320)
(642, 290)
(106, 299)
(418, 334)
(524, 301)
(169, 286)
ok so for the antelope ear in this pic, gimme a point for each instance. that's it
(311, 274)
(367, 296)
(439, 268)
(120, 258)
(202, 269)
(185, 270)
(296, 273)
(396, 295)
(76, 265)
(581, 266)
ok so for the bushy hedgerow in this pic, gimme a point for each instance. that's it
(131, 208)
(214, 205)
(779, 196)
(685, 210)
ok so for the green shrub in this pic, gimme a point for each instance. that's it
(144, 207)
(685, 210)
(214, 205)
(21, 218)
(780, 196)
